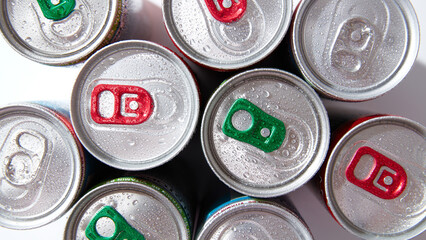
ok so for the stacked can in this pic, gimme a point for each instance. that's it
(59, 33)
(134, 105)
(249, 218)
(42, 166)
(129, 208)
(355, 50)
(227, 35)
(265, 132)
(374, 182)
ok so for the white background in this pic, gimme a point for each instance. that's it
(24, 80)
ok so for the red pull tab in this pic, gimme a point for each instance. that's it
(132, 105)
(387, 180)
(227, 10)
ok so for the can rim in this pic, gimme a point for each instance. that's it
(220, 64)
(128, 184)
(331, 203)
(19, 46)
(304, 176)
(79, 125)
(77, 177)
(402, 69)
(250, 205)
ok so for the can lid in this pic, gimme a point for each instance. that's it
(40, 171)
(265, 132)
(59, 34)
(254, 219)
(129, 208)
(355, 50)
(374, 180)
(135, 105)
(227, 35)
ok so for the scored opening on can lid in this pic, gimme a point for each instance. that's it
(355, 50)
(59, 34)
(130, 208)
(265, 132)
(374, 180)
(227, 37)
(135, 105)
(254, 219)
(41, 171)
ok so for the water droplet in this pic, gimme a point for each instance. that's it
(206, 48)
(286, 153)
(135, 202)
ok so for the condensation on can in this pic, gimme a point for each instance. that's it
(71, 39)
(144, 210)
(374, 183)
(42, 168)
(355, 50)
(272, 106)
(249, 218)
(135, 105)
(224, 43)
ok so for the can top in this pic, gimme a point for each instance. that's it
(254, 219)
(134, 105)
(374, 180)
(227, 35)
(355, 50)
(265, 132)
(58, 34)
(129, 208)
(40, 169)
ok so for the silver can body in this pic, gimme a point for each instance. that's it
(42, 166)
(374, 180)
(143, 210)
(281, 99)
(355, 50)
(134, 105)
(248, 218)
(87, 27)
(224, 44)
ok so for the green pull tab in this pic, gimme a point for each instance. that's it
(123, 231)
(260, 121)
(57, 11)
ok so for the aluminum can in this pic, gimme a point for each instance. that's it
(59, 33)
(355, 50)
(265, 132)
(128, 208)
(134, 105)
(227, 35)
(249, 218)
(374, 182)
(42, 166)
